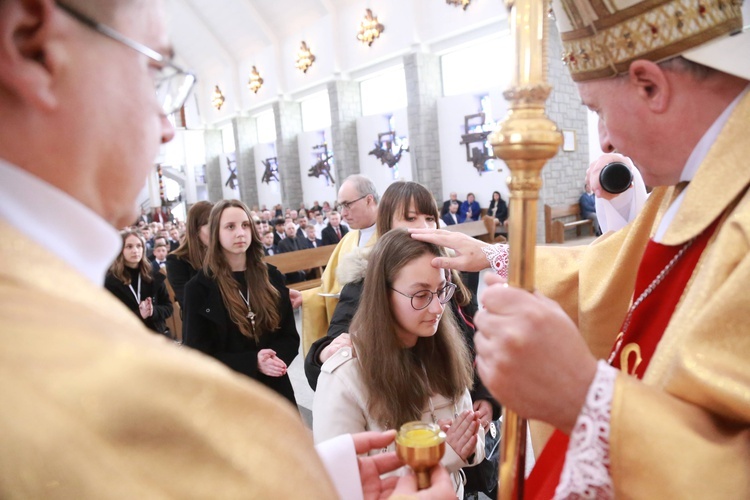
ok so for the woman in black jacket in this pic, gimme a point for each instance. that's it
(133, 280)
(187, 259)
(237, 308)
(498, 208)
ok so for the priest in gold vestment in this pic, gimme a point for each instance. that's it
(662, 304)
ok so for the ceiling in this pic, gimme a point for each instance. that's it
(220, 40)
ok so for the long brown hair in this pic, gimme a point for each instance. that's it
(397, 386)
(397, 198)
(263, 296)
(117, 269)
(192, 248)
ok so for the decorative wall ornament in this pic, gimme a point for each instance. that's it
(255, 82)
(370, 28)
(217, 98)
(232, 180)
(475, 139)
(459, 3)
(321, 166)
(385, 149)
(271, 173)
(305, 58)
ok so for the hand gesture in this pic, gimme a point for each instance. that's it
(461, 433)
(531, 356)
(483, 409)
(269, 364)
(469, 255)
(372, 467)
(595, 168)
(146, 308)
(343, 340)
(295, 296)
(441, 487)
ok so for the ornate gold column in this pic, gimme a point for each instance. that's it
(525, 140)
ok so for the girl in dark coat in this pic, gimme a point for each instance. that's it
(184, 263)
(132, 280)
(237, 309)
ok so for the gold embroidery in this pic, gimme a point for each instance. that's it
(629, 349)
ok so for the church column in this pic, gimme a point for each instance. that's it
(214, 148)
(346, 107)
(245, 138)
(288, 116)
(423, 89)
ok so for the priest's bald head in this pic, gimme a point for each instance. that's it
(657, 73)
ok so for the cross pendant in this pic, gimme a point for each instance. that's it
(251, 316)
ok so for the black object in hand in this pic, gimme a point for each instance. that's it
(615, 177)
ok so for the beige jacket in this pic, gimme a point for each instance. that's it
(95, 406)
(340, 407)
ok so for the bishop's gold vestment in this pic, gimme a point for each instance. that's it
(93, 405)
(684, 431)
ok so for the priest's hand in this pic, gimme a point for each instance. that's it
(295, 296)
(531, 356)
(372, 467)
(595, 168)
(441, 487)
(468, 251)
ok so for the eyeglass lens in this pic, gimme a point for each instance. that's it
(422, 299)
(173, 89)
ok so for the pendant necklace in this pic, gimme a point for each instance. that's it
(136, 295)
(250, 313)
(650, 288)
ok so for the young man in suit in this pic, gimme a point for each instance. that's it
(310, 240)
(334, 231)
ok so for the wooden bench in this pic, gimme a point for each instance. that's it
(475, 229)
(302, 260)
(554, 228)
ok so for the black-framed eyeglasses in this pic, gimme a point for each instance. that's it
(173, 84)
(348, 204)
(423, 298)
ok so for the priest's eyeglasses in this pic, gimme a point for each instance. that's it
(348, 204)
(423, 298)
(173, 84)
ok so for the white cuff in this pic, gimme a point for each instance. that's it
(340, 460)
(497, 255)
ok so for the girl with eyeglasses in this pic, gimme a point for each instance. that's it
(408, 361)
(237, 307)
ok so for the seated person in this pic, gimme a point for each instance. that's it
(470, 210)
(452, 217)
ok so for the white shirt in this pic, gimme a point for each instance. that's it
(54, 219)
(365, 235)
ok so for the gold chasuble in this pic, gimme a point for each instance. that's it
(685, 431)
(317, 310)
(96, 406)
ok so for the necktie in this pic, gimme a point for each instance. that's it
(338, 233)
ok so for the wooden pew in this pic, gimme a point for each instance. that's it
(302, 260)
(475, 229)
(554, 228)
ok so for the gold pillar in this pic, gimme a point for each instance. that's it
(525, 140)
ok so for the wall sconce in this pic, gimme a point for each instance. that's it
(305, 58)
(217, 98)
(369, 29)
(459, 3)
(255, 82)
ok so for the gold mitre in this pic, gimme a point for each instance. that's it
(602, 37)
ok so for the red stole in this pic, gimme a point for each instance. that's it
(635, 348)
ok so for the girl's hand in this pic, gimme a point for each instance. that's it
(146, 308)
(461, 433)
(269, 364)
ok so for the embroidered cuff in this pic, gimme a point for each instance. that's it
(586, 470)
(497, 256)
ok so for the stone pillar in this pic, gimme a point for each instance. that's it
(214, 147)
(423, 89)
(346, 107)
(245, 137)
(564, 175)
(288, 116)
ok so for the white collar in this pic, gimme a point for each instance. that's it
(694, 161)
(365, 235)
(54, 219)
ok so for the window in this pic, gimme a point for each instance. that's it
(478, 68)
(384, 92)
(316, 112)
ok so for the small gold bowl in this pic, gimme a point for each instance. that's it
(421, 446)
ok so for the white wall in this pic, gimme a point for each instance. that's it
(458, 174)
(368, 128)
(268, 194)
(315, 188)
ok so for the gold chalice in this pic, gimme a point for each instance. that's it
(421, 446)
